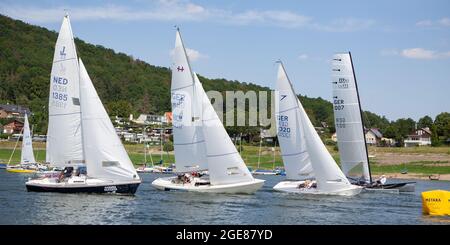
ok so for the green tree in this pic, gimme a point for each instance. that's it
(425, 122)
(434, 136)
(442, 122)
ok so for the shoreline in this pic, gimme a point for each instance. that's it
(414, 176)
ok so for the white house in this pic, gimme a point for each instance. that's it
(419, 137)
(148, 119)
(373, 136)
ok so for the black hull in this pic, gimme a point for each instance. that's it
(114, 189)
(402, 187)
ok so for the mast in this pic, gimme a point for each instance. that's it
(362, 120)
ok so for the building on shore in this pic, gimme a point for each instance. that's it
(13, 111)
(420, 137)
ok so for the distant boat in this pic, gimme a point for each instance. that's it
(349, 128)
(3, 165)
(200, 140)
(264, 172)
(27, 163)
(310, 169)
(433, 177)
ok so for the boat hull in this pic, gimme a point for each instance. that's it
(393, 188)
(115, 188)
(249, 187)
(3, 165)
(292, 187)
(20, 170)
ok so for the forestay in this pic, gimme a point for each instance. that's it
(64, 131)
(106, 157)
(348, 122)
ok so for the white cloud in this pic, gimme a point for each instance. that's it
(193, 54)
(346, 25)
(183, 10)
(303, 57)
(416, 53)
(424, 23)
(444, 22)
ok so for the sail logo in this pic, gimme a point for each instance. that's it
(177, 99)
(282, 97)
(180, 68)
(62, 53)
(111, 188)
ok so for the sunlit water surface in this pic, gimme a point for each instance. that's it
(150, 206)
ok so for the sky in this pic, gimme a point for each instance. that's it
(400, 49)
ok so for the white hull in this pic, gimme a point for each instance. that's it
(264, 173)
(242, 187)
(293, 187)
(392, 191)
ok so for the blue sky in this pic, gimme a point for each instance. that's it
(400, 49)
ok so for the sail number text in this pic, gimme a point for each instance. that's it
(338, 104)
(283, 126)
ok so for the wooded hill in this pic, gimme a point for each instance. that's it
(124, 84)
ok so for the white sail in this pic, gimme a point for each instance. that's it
(292, 140)
(64, 132)
(328, 175)
(189, 143)
(225, 164)
(347, 116)
(27, 155)
(106, 157)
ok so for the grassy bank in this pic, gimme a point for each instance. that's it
(267, 160)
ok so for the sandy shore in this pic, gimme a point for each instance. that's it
(445, 177)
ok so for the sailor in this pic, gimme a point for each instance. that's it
(381, 180)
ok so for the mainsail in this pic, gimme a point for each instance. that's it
(106, 157)
(225, 164)
(327, 173)
(64, 131)
(189, 142)
(27, 155)
(348, 120)
(295, 156)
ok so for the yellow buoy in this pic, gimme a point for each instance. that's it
(436, 202)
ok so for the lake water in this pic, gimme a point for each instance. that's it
(150, 206)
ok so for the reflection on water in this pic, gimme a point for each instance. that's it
(150, 206)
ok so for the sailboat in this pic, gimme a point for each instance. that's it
(349, 128)
(109, 169)
(27, 163)
(200, 140)
(310, 169)
(64, 143)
